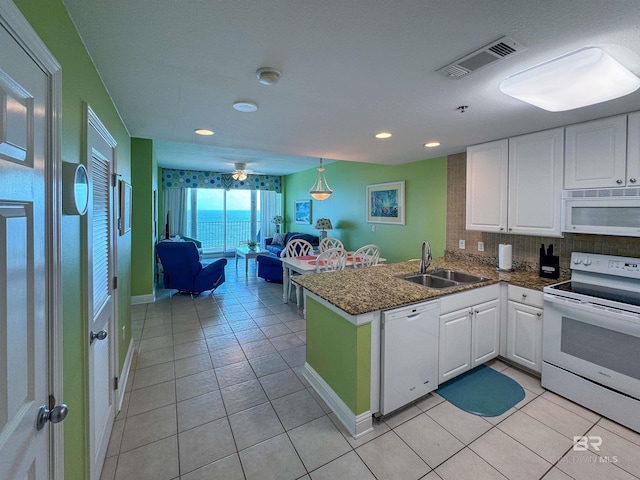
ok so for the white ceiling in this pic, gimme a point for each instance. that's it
(349, 69)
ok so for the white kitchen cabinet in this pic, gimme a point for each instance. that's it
(485, 332)
(470, 334)
(409, 354)
(596, 154)
(535, 183)
(633, 150)
(487, 177)
(515, 185)
(524, 327)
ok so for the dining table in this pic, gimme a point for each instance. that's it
(304, 265)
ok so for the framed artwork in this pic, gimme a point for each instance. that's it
(302, 211)
(124, 224)
(385, 203)
(155, 214)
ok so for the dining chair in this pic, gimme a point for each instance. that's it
(296, 248)
(331, 259)
(366, 256)
(330, 242)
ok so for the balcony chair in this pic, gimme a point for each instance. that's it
(183, 270)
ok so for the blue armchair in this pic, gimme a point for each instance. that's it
(183, 270)
(269, 268)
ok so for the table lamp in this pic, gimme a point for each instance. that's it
(323, 224)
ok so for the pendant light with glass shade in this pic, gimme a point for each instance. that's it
(320, 190)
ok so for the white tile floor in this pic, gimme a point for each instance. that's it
(217, 392)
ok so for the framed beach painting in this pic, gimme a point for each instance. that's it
(385, 203)
(302, 211)
(125, 207)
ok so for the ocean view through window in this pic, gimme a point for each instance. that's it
(221, 219)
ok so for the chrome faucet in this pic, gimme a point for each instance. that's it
(425, 257)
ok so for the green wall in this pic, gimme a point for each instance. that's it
(425, 205)
(144, 181)
(340, 353)
(80, 83)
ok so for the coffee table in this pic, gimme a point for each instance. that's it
(248, 253)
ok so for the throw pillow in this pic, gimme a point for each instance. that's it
(278, 239)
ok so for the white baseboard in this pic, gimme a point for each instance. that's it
(139, 299)
(356, 425)
(124, 375)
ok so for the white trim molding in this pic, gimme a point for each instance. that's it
(124, 376)
(356, 425)
(140, 299)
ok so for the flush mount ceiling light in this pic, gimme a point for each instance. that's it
(203, 131)
(432, 144)
(383, 135)
(245, 107)
(320, 190)
(241, 172)
(577, 79)
(268, 75)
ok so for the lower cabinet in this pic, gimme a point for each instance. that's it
(469, 336)
(524, 327)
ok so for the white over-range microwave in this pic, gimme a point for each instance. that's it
(612, 211)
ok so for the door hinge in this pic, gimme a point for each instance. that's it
(115, 383)
(52, 402)
(115, 283)
(114, 179)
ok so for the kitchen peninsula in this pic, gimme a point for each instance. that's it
(344, 310)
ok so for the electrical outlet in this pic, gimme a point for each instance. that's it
(461, 244)
(124, 332)
(373, 228)
(481, 246)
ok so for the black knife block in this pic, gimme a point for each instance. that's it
(549, 263)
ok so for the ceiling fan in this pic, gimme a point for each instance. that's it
(240, 172)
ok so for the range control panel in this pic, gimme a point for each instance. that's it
(606, 264)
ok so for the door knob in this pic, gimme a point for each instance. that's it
(101, 335)
(55, 415)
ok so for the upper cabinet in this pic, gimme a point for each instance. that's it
(596, 154)
(487, 177)
(633, 150)
(515, 185)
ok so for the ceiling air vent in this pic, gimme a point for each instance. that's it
(491, 53)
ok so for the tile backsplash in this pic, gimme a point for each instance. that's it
(525, 248)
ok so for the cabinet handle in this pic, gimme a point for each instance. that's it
(539, 314)
(501, 229)
(511, 229)
(632, 180)
(477, 312)
(524, 295)
(619, 182)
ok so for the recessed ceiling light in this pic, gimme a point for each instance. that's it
(245, 107)
(203, 131)
(577, 79)
(383, 135)
(432, 144)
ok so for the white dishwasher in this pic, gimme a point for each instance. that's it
(409, 354)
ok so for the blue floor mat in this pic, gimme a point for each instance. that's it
(482, 391)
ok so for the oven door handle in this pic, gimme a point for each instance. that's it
(591, 307)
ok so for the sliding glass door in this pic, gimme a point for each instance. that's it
(221, 219)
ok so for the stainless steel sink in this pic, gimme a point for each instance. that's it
(460, 277)
(430, 281)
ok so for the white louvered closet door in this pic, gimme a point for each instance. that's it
(101, 298)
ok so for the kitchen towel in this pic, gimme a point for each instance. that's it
(504, 256)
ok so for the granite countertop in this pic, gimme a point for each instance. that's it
(364, 290)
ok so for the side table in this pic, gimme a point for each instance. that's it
(247, 253)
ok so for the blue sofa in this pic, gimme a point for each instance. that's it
(276, 250)
(269, 268)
